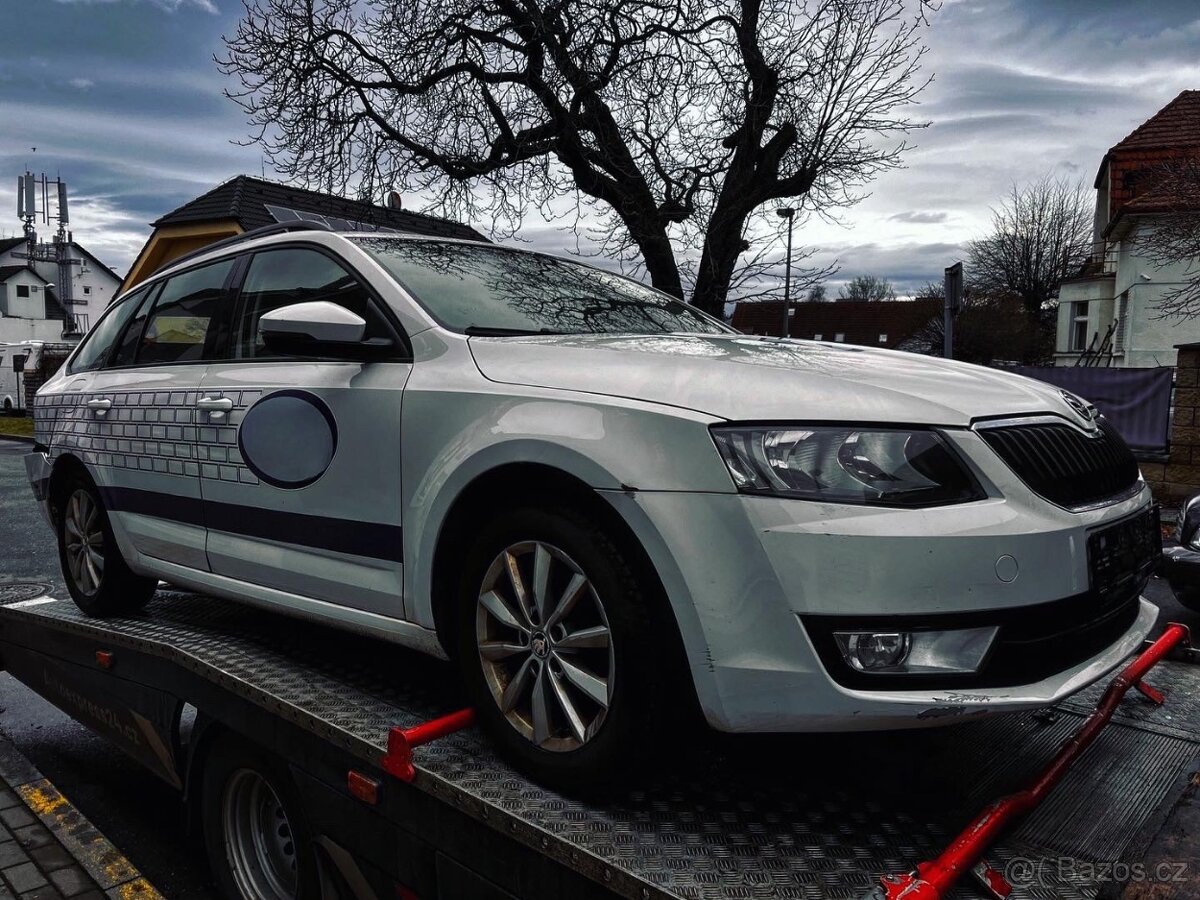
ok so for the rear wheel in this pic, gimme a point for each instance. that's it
(559, 649)
(258, 845)
(100, 582)
(8, 406)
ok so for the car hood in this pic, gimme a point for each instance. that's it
(741, 377)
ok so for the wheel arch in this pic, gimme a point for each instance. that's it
(65, 466)
(541, 483)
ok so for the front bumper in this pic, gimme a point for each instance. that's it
(743, 574)
(37, 466)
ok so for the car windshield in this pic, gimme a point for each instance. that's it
(488, 290)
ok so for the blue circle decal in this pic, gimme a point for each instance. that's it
(288, 438)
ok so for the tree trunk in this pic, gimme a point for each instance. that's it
(722, 246)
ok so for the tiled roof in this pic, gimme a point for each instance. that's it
(861, 321)
(7, 272)
(245, 200)
(1176, 125)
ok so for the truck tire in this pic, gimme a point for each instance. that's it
(100, 582)
(255, 835)
(560, 651)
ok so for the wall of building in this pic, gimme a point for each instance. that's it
(92, 285)
(1179, 477)
(31, 307)
(13, 331)
(1150, 340)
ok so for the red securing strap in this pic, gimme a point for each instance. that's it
(932, 880)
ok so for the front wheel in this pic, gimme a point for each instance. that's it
(559, 649)
(100, 582)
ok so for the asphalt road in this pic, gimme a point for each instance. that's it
(139, 814)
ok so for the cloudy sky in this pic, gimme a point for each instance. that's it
(122, 99)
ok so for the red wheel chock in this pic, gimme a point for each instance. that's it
(398, 760)
(932, 880)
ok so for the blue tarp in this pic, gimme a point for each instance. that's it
(1136, 401)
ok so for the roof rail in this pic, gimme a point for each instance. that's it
(264, 231)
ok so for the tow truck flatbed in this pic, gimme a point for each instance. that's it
(770, 817)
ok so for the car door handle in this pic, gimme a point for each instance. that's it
(101, 405)
(215, 404)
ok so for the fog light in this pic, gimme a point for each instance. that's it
(874, 651)
(961, 651)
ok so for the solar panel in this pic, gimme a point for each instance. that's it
(285, 214)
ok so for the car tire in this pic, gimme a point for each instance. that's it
(1188, 597)
(8, 407)
(569, 680)
(256, 839)
(100, 582)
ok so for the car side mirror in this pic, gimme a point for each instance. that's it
(1189, 523)
(317, 328)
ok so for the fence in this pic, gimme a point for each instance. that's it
(1136, 401)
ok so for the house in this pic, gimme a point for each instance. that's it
(1111, 307)
(244, 203)
(34, 307)
(868, 323)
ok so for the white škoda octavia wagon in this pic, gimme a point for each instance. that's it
(604, 504)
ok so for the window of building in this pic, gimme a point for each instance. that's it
(1122, 317)
(818, 336)
(840, 337)
(87, 290)
(883, 338)
(22, 290)
(1079, 325)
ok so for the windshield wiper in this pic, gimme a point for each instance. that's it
(494, 331)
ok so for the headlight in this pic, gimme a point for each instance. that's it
(958, 652)
(839, 464)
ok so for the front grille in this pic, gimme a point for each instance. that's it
(1063, 464)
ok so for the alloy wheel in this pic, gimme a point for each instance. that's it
(84, 538)
(259, 843)
(545, 646)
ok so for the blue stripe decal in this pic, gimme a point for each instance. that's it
(370, 539)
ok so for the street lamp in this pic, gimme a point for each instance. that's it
(789, 213)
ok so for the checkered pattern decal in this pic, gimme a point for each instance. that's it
(150, 431)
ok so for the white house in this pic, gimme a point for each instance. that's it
(31, 302)
(1111, 308)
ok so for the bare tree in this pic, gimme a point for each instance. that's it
(1041, 234)
(987, 330)
(1171, 236)
(659, 128)
(816, 293)
(867, 287)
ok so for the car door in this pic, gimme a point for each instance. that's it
(300, 457)
(145, 404)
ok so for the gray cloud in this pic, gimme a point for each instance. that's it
(920, 218)
(122, 98)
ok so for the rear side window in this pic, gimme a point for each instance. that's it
(185, 316)
(94, 351)
(295, 275)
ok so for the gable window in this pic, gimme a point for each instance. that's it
(1078, 325)
(87, 290)
(883, 338)
(22, 290)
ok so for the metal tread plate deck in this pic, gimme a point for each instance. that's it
(747, 817)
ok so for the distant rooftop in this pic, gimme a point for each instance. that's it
(254, 202)
(862, 322)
